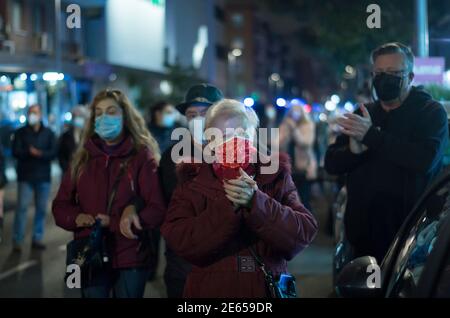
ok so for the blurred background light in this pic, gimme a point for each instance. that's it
(296, 101)
(165, 87)
(68, 116)
(236, 52)
(281, 102)
(349, 107)
(112, 77)
(447, 78)
(330, 106)
(335, 99)
(53, 76)
(249, 102)
(349, 69)
(275, 77)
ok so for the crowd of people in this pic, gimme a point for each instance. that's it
(224, 222)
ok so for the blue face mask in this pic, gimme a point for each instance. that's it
(108, 127)
(168, 120)
(79, 122)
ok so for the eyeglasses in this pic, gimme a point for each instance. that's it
(399, 73)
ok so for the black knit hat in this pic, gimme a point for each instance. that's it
(200, 95)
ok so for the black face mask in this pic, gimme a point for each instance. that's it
(388, 87)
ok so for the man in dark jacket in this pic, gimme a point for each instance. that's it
(197, 101)
(162, 122)
(71, 138)
(34, 147)
(390, 150)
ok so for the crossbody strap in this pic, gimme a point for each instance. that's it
(259, 261)
(123, 168)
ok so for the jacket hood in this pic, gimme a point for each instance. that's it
(419, 95)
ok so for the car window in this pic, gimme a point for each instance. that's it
(420, 242)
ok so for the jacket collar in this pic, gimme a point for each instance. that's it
(41, 127)
(95, 147)
(205, 174)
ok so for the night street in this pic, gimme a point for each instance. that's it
(210, 150)
(41, 274)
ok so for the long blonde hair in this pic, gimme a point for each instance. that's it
(134, 124)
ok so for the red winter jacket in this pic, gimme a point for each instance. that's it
(91, 193)
(202, 227)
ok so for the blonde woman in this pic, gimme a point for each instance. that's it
(297, 135)
(222, 212)
(119, 156)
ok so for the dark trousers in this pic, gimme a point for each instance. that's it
(303, 188)
(155, 242)
(386, 215)
(175, 274)
(121, 283)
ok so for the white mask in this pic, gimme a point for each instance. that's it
(79, 122)
(271, 113)
(33, 119)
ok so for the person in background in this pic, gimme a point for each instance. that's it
(221, 211)
(268, 119)
(70, 139)
(297, 135)
(389, 151)
(34, 147)
(115, 138)
(198, 99)
(163, 119)
(3, 183)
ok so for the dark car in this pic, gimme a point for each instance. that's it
(418, 261)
